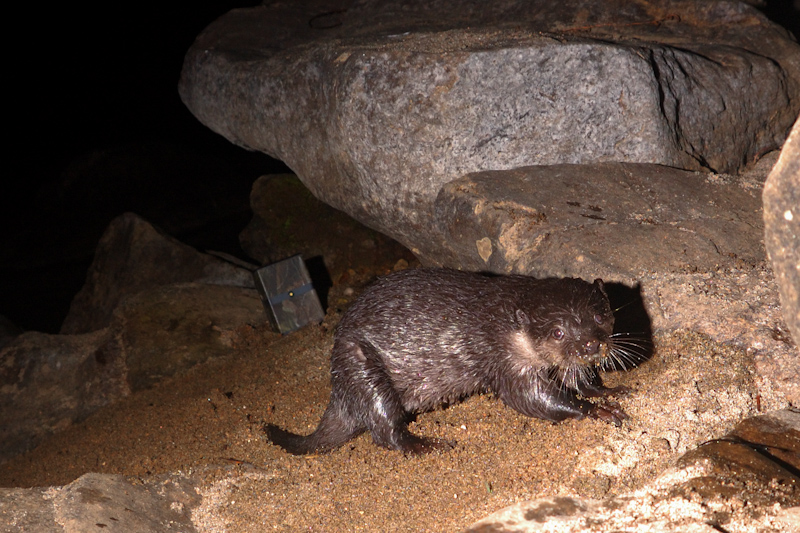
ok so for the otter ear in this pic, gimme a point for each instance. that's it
(599, 285)
(522, 318)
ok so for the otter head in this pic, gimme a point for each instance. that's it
(573, 323)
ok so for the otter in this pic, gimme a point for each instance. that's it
(421, 338)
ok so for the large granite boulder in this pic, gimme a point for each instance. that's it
(377, 105)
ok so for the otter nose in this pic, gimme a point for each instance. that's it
(591, 347)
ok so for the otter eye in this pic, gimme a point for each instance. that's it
(558, 334)
(598, 318)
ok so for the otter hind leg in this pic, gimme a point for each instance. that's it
(410, 443)
(396, 436)
(384, 414)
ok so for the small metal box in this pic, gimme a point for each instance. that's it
(289, 298)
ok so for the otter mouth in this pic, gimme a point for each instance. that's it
(592, 357)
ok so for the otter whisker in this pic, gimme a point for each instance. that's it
(632, 356)
(621, 359)
(623, 306)
(639, 341)
(626, 353)
(616, 360)
(632, 345)
(630, 339)
(642, 334)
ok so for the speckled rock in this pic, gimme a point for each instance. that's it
(619, 221)
(782, 228)
(746, 481)
(376, 105)
(102, 502)
(47, 382)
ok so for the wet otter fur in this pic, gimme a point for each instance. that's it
(417, 339)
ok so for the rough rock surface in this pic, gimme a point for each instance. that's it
(618, 221)
(747, 481)
(168, 329)
(376, 105)
(132, 256)
(152, 327)
(48, 382)
(737, 307)
(281, 205)
(782, 228)
(102, 502)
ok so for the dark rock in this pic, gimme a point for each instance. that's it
(102, 502)
(8, 331)
(143, 327)
(758, 462)
(168, 329)
(782, 228)
(51, 381)
(777, 435)
(377, 105)
(48, 382)
(613, 220)
(133, 256)
(288, 220)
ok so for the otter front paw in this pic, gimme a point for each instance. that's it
(588, 390)
(610, 412)
(622, 390)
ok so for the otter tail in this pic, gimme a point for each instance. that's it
(333, 431)
(294, 444)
